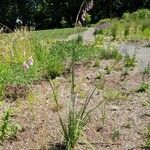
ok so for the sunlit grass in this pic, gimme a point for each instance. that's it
(54, 34)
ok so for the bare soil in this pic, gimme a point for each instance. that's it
(117, 124)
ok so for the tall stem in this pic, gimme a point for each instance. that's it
(73, 62)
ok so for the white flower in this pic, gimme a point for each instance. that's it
(83, 19)
(79, 23)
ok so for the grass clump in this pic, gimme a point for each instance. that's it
(147, 70)
(7, 128)
(143, 87)
(107, 49)
(77, 119)
(147, 140)
(129, 61)
(113, 95)
(116, 134)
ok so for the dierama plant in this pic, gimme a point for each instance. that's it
(77, 119)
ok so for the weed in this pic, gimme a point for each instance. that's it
(143, 87)
(31, 98)
(147, 140)
(129, 61)
(7, 128)
(113, 94)
(116, 134)
(127, 125)
(77, 119)
(108, 69)
(110, 54)
(96, 63)
(80, 92)
(147, 70)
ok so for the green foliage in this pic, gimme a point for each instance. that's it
(116, 134)
(107, 48)
(110, 54)
(129, 61)
(7, 128)
(143, 87)
(49, 13)
(96, 63)
(88, 19)
(72, 132)
(132, 26)
(137, 15)
(146, 32)
(49, 57)
(76, 121)
(147, 70)
(147, 140)
(114, 95)
(53, 34)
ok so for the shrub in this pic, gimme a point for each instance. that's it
(134, 26)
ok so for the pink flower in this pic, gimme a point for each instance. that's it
(30, 61)
(79, 23)
(28, 64)
(83, 19)
(25, 65)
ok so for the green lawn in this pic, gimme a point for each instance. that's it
(57, 33)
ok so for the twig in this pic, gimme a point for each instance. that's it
(6, 27)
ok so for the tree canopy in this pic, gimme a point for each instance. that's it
(44, 14)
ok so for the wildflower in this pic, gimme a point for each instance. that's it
(25, 65)
(79, 23)
(30, 61)
(83, 17)
(87, 7)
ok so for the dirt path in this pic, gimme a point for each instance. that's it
(142, 53)
(87, 36)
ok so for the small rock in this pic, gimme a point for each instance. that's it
(89, 77)
(101, 71)
(99, 128)
(129, 109)
(145, 115)
(114, 108)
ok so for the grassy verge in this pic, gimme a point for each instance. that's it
(54, 34)
(131, 27)
(48, 58)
